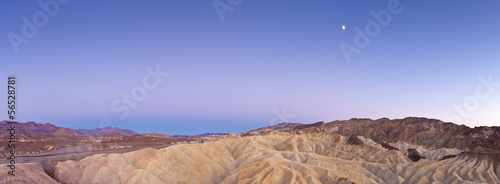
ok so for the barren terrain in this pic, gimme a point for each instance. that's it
(410, 150)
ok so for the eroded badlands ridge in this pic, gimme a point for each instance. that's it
(311, 157)
(418, 131)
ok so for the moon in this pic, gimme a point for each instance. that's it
(343, 27)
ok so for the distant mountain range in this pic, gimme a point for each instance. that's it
(430, 133)
(31, 128)
(200, 135)
(106, 131)
(36, 138)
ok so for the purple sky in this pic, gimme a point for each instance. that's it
(431, 59)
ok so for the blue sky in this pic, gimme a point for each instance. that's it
(240, 73)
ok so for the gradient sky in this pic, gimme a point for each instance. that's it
(233, 75)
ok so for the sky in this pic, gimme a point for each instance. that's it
(191, 67)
